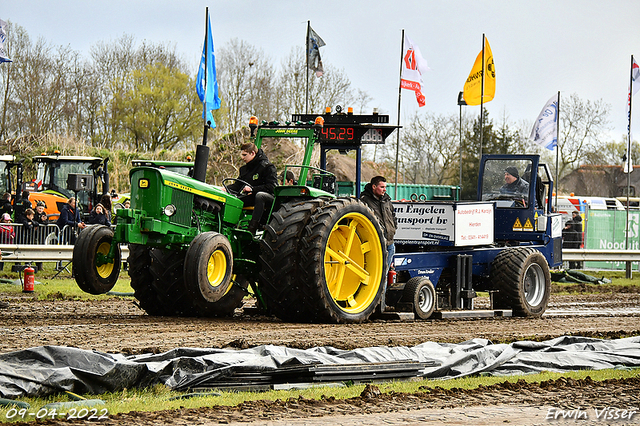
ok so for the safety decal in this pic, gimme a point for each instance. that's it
(517, 226)
(528, 226)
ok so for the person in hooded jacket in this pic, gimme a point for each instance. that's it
(375, 196)
(263, 178)
(5, 204)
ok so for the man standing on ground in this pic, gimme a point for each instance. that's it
(375, 196)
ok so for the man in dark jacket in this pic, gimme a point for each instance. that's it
(22, 204)
(5, 204)
(69, 217)
(263, 178)
(376, 197)
(514, 185)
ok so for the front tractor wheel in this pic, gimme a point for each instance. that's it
(344, 262)
(93, 271)
(522, 278)
(208, 269)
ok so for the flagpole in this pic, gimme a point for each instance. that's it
(306, 90)
(395, 196)
(629, 164)
(206, 53)
(557, 147)
(481, 102)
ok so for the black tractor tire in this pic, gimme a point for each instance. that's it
(343, 263)
(164, 293)
(90, 277)
(208, 268)
(280, 258)
(231, 300)
(521, 276)
(420, 292)
(142, 282)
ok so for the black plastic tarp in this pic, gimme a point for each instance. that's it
(52, 369)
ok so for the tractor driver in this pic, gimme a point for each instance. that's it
(263, 178)
(514, 184)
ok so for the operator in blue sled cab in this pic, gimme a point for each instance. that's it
(263, 178)
(514, 184)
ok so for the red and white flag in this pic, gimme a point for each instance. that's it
(413, 66)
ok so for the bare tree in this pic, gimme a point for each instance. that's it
(430, 149)
(245, 78)
(582, 126)
(333, 88)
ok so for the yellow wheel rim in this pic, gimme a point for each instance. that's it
(216, 268)
(353, 263)
(104, 270)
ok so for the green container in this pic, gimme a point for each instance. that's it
(405, 191)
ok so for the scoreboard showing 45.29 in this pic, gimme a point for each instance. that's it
(350, 134)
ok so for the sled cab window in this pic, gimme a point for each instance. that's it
(507, 181)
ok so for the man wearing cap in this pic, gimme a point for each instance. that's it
(514, 184)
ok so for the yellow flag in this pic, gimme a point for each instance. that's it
(473, 86)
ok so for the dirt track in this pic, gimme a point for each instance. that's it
(117, 325)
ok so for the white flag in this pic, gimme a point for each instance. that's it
(3, 39)
(635, 86)
(314, 43)
(413, 66)
(545, 129)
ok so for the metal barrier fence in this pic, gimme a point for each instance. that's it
(49, 234)
(45, 243)
(49, 243)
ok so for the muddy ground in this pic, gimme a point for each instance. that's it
(118, 325)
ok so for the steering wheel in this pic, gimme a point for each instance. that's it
(517, 200)
(233, 191)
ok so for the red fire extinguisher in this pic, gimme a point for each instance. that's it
(391, 276)
(29, 280)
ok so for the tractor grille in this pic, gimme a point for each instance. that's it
(184, 203)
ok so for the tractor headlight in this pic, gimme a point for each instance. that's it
(170, 210)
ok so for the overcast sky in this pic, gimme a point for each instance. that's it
(540, 47)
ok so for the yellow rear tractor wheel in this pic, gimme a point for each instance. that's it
(345, 262)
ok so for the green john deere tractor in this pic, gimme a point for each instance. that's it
(319, 258)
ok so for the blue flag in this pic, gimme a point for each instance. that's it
(206, 82)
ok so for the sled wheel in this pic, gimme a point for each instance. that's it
(521, 276)
(94, 273)
(208, 268)
(344, 262)
(420, 292)
(280, 258)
